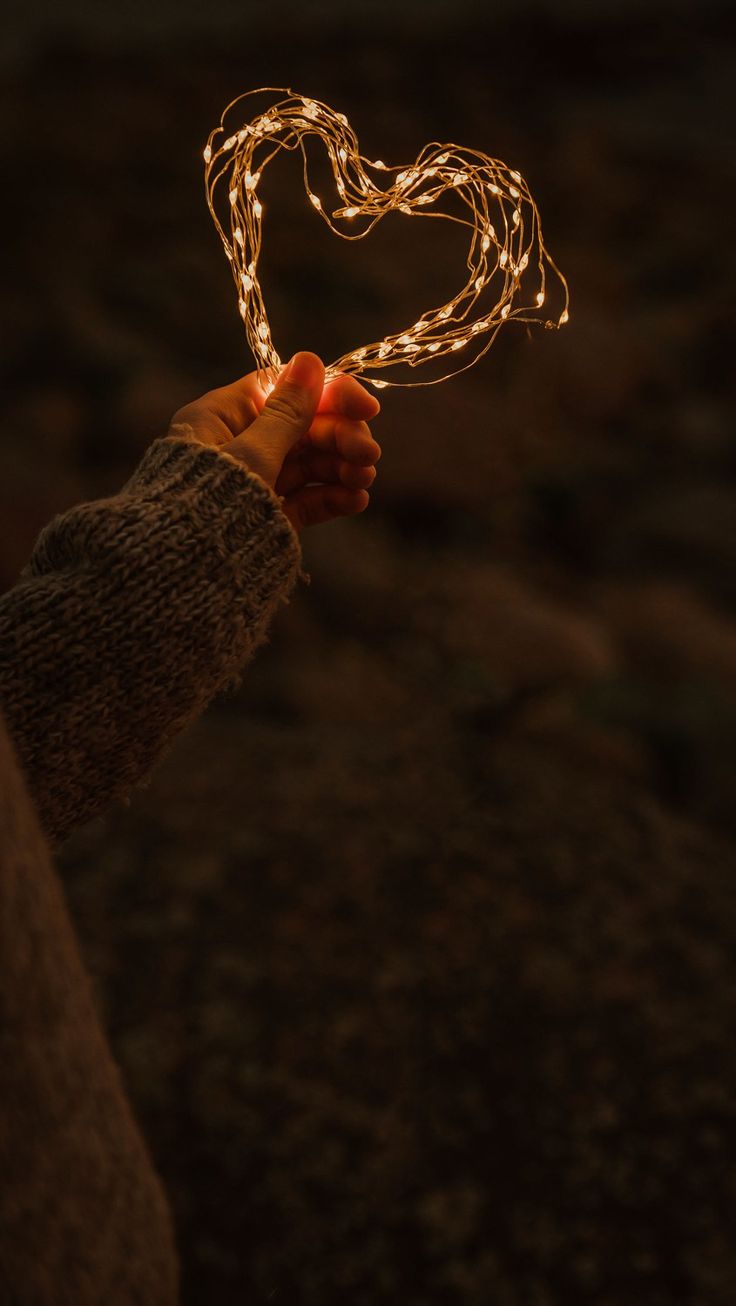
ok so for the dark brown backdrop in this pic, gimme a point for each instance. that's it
(417, 953)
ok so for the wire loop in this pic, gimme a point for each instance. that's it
(504, 222)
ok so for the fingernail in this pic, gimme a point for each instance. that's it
(298, 369)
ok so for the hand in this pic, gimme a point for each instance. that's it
(308, 442)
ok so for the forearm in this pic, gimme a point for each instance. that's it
(132, 614)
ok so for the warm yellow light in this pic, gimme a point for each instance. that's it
(473, 180)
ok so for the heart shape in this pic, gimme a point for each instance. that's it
(480, 182)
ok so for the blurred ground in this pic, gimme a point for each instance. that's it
(417, 953)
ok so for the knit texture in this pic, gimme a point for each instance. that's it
(132, 613)
(83, 1217)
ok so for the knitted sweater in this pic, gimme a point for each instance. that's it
(133, 612)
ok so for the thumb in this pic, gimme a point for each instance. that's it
(285, 417)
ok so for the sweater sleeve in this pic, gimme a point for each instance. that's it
(133, 612)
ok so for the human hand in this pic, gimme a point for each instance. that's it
(308, 442)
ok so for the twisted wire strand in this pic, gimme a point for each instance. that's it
(236, 158)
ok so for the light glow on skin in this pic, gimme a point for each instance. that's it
(512, 242)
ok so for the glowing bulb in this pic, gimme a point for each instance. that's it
(294, 118)
(564, 317)
(380, 385)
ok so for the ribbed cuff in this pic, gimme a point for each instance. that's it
(179, 466)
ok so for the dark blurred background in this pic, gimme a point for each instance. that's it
(417, 952)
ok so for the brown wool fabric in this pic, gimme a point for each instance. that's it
(132, 614)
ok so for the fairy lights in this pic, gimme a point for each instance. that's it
(501, 251)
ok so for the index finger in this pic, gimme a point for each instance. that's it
(229, 408)
(346, 396)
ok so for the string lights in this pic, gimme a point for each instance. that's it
(505, 244)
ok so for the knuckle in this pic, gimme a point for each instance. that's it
(285, 404)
